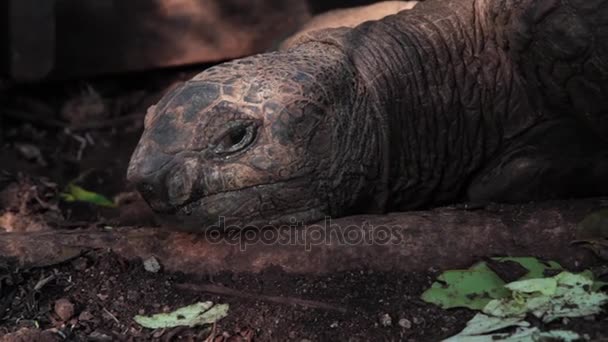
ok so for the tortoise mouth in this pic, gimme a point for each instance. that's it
(186, 208)
(256, 205)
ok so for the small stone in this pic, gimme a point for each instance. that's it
(405, 323)
(417, 320)
(102, 297)
(64, 309)
(152, 265)
(334, 325)
(386, 320)
(292, 335)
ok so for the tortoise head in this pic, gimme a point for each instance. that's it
(255, 141)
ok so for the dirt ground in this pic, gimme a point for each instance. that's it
(54, 134)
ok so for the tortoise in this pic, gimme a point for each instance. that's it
(448, 102)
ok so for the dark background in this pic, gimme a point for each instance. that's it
(59, 39)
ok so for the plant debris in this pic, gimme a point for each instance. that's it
(193, 315)
(564, 295)
(75, 193)
(475, 287)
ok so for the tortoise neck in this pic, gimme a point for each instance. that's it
(357, 168)
(443, 93)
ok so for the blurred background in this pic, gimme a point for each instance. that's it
(60, 39)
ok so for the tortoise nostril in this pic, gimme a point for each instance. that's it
(169, 186)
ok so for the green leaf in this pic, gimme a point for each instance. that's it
(545, 286)
(520, 335)
(475, 287)
(75, 193)
(193, 315)
(564, 295)
(483, 324)
(472, 288)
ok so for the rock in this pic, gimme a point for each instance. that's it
(405, 323)
(152, 265)
(64, 309)
(386, 320)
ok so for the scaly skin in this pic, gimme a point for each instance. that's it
(389, 115)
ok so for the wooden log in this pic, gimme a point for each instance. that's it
(443, 238)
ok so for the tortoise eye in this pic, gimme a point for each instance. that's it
(236, 138)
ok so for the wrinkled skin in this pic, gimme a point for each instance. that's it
(485, 99)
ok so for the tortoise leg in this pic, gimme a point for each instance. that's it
(558, 159)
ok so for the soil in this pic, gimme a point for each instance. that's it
(84, 132)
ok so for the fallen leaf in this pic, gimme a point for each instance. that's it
(75, 193)
(563, 295)
(482, 324)
(477, 286)
(520, 335)
(472, 288)
(193, 315)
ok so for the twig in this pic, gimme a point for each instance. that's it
(211, 336)
(111, 315)
(222, 290)
(43, 282)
